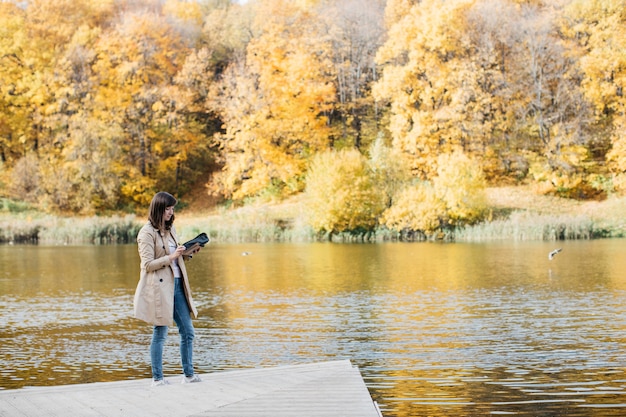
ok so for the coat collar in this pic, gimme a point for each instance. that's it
(164, 236)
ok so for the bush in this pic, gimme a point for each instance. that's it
(566, 176)
(390, 167)
(415, 208)
(341, 194)
(455, 197)
(460, 183)
(12, 206)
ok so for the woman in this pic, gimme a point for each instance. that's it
(163, 293)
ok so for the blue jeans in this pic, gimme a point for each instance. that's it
(182, 317)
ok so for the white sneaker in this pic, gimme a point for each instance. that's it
(159, 383)
(190, 379)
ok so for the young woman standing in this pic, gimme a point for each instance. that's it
(163, 294)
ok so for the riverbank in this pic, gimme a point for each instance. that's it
(518, 213)
(515, 213)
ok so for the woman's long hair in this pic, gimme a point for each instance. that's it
(159, 203)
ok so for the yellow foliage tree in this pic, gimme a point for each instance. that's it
(460, 184)
(88, 160)
(389, 168)
(421, 59)
(342, 194)
(486, 76)
(273, 105)
(25, 179)
(137, 63)
(15, 121)
(599, 28)
(455, 197)
(416, 208)
(123, 97)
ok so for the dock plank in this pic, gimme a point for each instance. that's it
(333, 388)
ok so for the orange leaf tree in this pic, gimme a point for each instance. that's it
(137, 62)
(273, 104)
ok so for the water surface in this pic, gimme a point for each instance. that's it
(436, 329)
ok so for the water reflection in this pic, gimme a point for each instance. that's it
(436, 329)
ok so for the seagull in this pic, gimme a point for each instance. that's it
(553, 253)
(245, 253)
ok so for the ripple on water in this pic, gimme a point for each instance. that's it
(443, 348)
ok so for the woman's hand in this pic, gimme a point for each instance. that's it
(176, 254)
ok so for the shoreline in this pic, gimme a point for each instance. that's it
(515, 213)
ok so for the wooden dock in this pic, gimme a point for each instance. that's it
(322, 389)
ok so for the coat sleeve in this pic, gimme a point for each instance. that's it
(146, 241)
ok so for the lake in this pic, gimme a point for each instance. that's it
(436, 329)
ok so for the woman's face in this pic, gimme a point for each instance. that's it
(169, 212)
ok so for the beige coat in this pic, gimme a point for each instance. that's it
(154, 296)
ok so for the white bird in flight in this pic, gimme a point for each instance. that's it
(553, 253)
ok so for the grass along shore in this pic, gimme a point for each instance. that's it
(516, 213)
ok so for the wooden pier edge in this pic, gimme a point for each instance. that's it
(324, 389)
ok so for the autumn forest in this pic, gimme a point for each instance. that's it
(394, 113)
